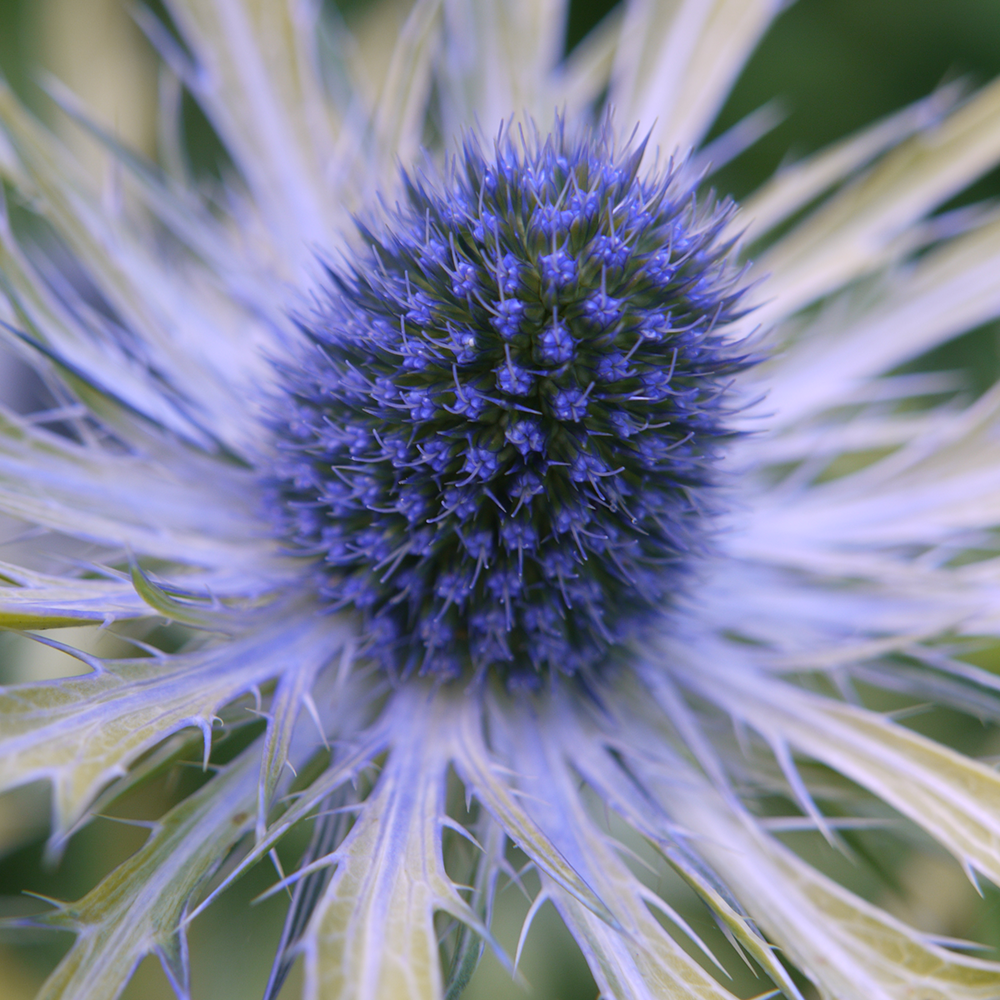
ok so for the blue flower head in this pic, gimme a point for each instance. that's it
(545, 399)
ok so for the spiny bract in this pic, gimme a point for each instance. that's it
(499, 443)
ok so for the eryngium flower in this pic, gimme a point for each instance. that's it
(244, 442)
(501, 442)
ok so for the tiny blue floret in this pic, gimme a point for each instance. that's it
(558, 269)
(555, 343)
(507, 320)
(499, 448)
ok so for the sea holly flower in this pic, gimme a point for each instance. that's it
(632, 498)
(521, 497)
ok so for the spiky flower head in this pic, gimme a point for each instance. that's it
(501, 440)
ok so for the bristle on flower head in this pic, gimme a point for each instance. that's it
(501, 439)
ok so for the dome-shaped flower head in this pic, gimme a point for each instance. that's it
(483, 501)
(555, 459)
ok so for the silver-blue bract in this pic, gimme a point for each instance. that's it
(501, 441)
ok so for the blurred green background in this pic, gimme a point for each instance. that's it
(834, 65)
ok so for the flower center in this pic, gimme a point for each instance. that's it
(500, 441)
